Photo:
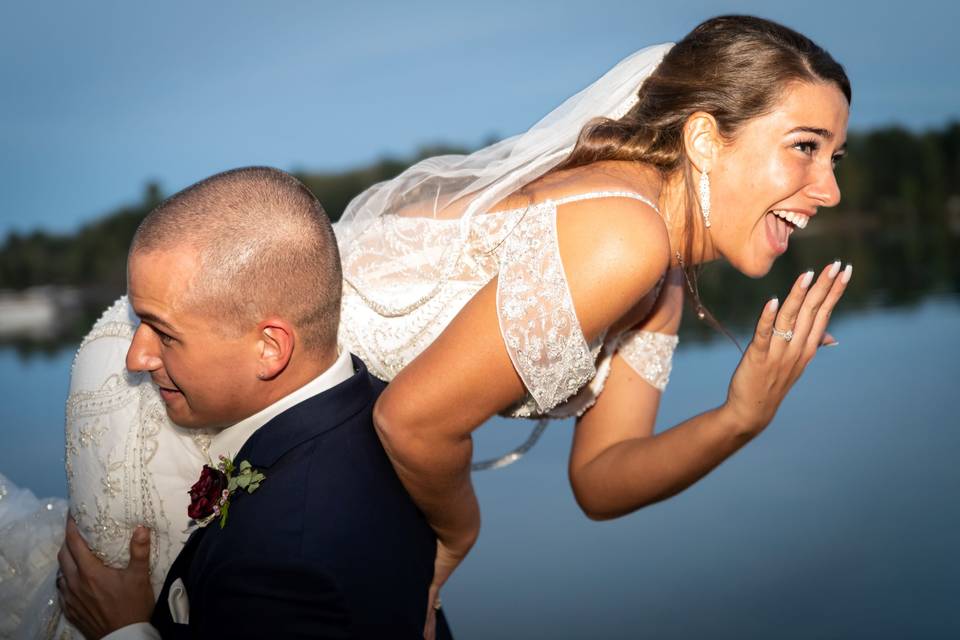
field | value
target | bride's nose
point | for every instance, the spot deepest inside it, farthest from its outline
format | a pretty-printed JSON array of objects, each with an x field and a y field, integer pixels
[
  {"x": 825, "y": 188},
  {"x": 144, "y": 351}
]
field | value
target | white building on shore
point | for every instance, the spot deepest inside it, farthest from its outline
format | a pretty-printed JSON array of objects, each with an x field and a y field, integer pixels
[{"x": 37, "y": 312}]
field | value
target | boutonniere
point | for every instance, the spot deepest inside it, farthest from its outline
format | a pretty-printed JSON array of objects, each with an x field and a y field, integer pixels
[{"x": 210, "y": 495}]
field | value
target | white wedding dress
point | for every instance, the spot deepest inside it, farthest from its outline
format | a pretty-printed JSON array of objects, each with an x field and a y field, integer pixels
[
  {"x": 126, "y": 464},
  {"x": 405, "y": 278}
]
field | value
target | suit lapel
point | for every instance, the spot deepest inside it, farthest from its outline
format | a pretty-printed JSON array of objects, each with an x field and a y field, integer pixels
[{"x": 264, "y": 449}]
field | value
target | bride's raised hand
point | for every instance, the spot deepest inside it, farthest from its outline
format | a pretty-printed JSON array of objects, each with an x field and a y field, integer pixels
[{"x": 785, "y": 341}]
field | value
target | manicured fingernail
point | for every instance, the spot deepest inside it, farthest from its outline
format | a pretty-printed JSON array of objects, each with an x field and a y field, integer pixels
[
  {"x": 807, "y": 279},
  {"x": 834, "y": 269},
  {"x": 845, "y": 278},
  {"x": 140, "y": 533},
  {"x": 831, "y": 344},
  {"x": 774, "y": 303}
]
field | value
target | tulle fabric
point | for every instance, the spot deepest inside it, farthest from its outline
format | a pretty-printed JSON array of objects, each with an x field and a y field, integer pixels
[
  {"x": 31, "y": 532},
  {"x": 460, "y": 187}
]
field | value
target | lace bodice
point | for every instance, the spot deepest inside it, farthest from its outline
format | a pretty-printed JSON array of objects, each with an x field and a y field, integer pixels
[{"x": 406, "y": 277}]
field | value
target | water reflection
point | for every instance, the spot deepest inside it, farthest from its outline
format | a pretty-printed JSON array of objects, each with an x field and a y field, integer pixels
[
  {"x": 838, "y": 521},
  {"x": 892, "y": 268}
]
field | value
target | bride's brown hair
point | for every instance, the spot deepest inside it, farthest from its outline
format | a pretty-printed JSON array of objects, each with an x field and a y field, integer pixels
[{"x": 733, "y": 67}]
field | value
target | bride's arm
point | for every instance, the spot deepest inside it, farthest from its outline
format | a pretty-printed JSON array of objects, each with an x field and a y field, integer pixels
[
  {"x": 612, "y": 255},
  {"x": 617, "y": 465}
]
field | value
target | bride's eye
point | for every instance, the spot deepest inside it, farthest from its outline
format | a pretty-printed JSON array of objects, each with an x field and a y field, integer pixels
[{"x": 808, "y": 147}]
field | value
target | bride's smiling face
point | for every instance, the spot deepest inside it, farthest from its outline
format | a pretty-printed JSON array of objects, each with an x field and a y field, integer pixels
[{"x": 776, "y": 175}]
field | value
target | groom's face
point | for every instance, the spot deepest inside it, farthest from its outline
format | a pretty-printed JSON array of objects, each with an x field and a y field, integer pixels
[{"x": 206, "y": 378}]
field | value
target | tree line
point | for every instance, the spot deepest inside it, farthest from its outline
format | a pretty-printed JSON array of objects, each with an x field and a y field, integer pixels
[{"x": 899, "y": 221}]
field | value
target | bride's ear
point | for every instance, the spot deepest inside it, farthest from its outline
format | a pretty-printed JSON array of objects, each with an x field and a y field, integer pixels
[
  {"x": 275, "y": 343},
  {"x": 702, "y": 140}
]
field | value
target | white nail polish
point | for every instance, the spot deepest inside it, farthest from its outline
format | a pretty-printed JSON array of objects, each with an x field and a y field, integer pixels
[
  {"x": 845, "y": 278},
  {"x": 807, "y": 279},
  {"x": 831, "y": 344},
  {"x": 834, "y": 269},
  {"x": 774, "y": 303}
]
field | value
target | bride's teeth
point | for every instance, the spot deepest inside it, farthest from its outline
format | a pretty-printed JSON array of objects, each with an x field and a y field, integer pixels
[{"x": 799, "y": 220}]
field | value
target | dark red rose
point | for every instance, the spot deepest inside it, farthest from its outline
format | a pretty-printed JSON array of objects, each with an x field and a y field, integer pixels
[{"x": 205, "y": 493}]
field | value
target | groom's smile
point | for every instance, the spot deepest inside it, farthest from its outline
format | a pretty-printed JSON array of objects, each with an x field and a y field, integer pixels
[
  {"x": 168, "y": 394},
  {"x": 205, "y": 375}
]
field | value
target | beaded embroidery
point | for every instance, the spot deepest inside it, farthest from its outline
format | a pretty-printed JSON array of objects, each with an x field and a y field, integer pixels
[
  {"x": 649, "y": 354},
  {"x": 403, "y": 285}
]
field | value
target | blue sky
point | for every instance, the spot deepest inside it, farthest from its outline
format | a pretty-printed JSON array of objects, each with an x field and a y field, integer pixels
[{"x": 100, "y": 97}]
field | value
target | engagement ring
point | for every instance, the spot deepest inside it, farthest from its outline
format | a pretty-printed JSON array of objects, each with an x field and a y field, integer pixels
[{"x": 786, "y": 335}]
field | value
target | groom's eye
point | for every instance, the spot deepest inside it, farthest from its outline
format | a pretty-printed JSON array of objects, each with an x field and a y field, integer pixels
[{"x": 164, "y": 338}]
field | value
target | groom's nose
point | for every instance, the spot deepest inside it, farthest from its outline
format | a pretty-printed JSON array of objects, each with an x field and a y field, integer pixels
[{"x": 144, "y": 351}]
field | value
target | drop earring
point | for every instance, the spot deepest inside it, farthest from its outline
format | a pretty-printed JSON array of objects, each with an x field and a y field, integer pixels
[{"x": 705, "y": 197}]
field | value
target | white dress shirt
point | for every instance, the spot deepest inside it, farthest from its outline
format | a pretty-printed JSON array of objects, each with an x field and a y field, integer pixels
[{"x": 228, "y": 443}]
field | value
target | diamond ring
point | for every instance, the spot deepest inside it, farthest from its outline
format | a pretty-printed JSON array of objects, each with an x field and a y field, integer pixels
[{"x": 786, "y": 335}]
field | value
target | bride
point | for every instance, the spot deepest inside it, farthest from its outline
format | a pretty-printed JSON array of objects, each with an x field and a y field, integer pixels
[{"x": 542, "y": 276}]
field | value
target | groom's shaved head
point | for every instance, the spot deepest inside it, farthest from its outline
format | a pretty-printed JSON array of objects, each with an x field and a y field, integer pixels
[{"x": 263, "y": 245}]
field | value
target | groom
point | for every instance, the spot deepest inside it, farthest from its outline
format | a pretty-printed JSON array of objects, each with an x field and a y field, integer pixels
[{"x": 236, "y": 281}]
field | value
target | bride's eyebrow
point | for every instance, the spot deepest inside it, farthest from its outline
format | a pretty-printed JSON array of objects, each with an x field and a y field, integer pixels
[{"x": 826, "y": 134}]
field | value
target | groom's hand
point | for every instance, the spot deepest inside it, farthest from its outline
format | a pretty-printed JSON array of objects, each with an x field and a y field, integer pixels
[{"x": 98, "y": 599}]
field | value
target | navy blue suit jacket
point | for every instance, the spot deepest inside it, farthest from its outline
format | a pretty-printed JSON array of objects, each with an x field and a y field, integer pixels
[{"x": 329, "y": 546}]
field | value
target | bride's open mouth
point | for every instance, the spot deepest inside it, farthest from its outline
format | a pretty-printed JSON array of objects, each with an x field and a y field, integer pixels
[{"x": 780, "y": 224}]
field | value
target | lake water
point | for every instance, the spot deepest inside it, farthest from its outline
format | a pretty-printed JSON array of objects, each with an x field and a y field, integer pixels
[{"x": 840, "y": 521}]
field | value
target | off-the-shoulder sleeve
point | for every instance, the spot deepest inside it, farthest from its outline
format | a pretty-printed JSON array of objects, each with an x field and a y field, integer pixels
[{"x": 535, "y": 308}]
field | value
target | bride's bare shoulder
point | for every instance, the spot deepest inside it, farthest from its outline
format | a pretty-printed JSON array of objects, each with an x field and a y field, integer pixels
[
  {"x": 626, "y": 227},
  {"x": 599, "y": 177},
  {"x": 613, "y": 249}
]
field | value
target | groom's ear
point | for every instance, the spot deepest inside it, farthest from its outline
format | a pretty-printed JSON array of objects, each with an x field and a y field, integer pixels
[{"x": 275, "y": 345}]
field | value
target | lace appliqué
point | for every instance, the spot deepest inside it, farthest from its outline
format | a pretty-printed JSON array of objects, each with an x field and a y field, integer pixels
[
  {"x": 537, "y": 318},
  {"x": 406, "y": 277},
  {"x": 403, "y": 283},
  {"x": 650, "y": 354}
]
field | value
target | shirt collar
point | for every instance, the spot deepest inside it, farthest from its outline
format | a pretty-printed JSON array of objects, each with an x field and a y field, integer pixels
[{"x": 228, "y": 442}]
